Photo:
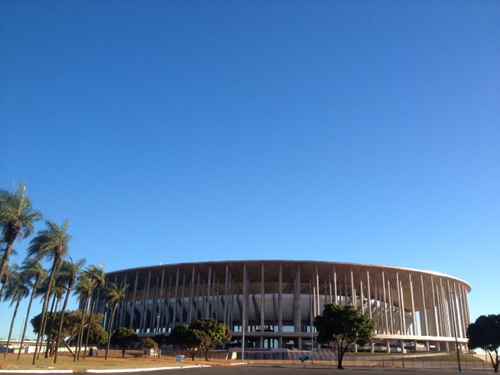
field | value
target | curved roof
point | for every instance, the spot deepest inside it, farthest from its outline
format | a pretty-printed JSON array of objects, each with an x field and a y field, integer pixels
[{"x": 344, "y": 264}]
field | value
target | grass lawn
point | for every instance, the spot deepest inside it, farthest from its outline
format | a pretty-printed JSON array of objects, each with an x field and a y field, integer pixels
[
  {"x": 448, "y": 357},
  {"x": 65, "y": 361}
]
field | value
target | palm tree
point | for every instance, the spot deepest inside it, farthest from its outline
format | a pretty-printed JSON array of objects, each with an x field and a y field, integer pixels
[
  {"x": 97, "y": 278},
  {"x": 17, "y": 290},
  {"x": 84, "y": 289},
  {"x": 53, "y": 244},
  {"x": 69, "y": 272},
  {"x": 57, "y": 293},
  {"x": 16, "y": 221},
  {"x": 34, "y": 274},
  {"x": 114, "y": 296}
]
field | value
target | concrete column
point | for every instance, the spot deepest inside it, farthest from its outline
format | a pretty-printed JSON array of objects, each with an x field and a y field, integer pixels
[
  {"x": 445, "y": 309},
  {"x": 318, "y": 308},
  {"x": 403, "y": 307},
  {"x": 460, "y": 311},
  {"x": 262, "y": 298},
  {"x": 213, "y": 296},
  {"x": 166, "y": 303},
  {"x": 123, "y": 306},
  {"x": 330, "y": 289},
  {"x": 369, "y": 294},
  {"x": 245, "y": 300},
  {"x": 191, "y": 295},
  {"x": 361, "y": 296},
  {"x": 400, "y": 306},
  {"x": 182, "y": 299},
  {"x": 353, "y": 291},
  {"x": 335, "y": 286},
  {"x": 424, "y": 307},
  {"x": 385, "y": 304},
  {"x": 154, "y": 305},
  {"x": 159, "y": 300},
  {"x": 280, "y": 299},
  {"x": 442, "y": 309},
  {"x": 435, "y": 309},
  {"x": 207, "y": 303},
  {"x": 134, "y": 301},
  {"x": 314, "y": 312},
  {"x": 462, "y": 308},
  {"x": 453, "y": 312},
  {"x": 466, "y": 306},
  {"x": 230, "y": 305},
  {"x": 456, "y": 308},
  {"x": 145, "y": 297},
  {"x": 412, "y": 298},
  {"x": 176, "y": 291},
  {"x": 388, "y": 346},
  {"x": 390, "y": 307},
  {"x": 311, "y": 315},
  {"x": 226, "y": 289},
  {"x": 297, "y": 305}
]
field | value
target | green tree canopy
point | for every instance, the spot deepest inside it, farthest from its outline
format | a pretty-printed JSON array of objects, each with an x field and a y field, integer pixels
[
  {"x": 16, "y": 221},
  {"x": 124, "y": 338},
  {"x": 70, "y": 328},
  {"x": 343, "y": 326},
  {"x": 210, "y": 334},
  {"x": 183, "y": 338},
  {"x": 484, "y": 333}
]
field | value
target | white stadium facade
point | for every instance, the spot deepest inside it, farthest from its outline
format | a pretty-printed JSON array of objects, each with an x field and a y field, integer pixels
[{"x": 275, "y": 301}]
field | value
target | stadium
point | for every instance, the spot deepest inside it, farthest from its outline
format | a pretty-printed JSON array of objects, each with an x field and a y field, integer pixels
[{"x": 274, "y": 302}]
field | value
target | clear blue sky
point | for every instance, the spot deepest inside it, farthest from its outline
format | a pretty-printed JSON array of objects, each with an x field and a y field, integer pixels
[{"x": 175, "y": 131}]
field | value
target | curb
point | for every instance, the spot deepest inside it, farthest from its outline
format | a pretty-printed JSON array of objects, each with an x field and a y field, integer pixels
[
  {"x": 36, "y": 371},
  {"x": 104, "y": 371},
  {"x": 143, "y": 369}
]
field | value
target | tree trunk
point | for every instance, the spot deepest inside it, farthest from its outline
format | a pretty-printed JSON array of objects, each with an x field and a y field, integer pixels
[
  {"x": 92, "y": 307},
  {"x": 45, "y": 306},
  {"x": 110, "y": 331},
  {"x": 5, "y": 258},
  {"x": 11, "y": 326},
  {"x": 340, "y": 357},
  {"x": 82, "y": 328},
  {"x": 61, "y": 321},
  {"x": 33, "y": 290},
  {"x": 495, "y": 367},
  {"x": 53, "y": 309}
]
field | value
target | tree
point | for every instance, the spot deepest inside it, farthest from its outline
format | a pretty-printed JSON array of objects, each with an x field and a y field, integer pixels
[
  {"x": 114, "y": 296},
  {"x": 17, "y": 290},
  {"x": 484, "y": 333},
  {"x": 95, "y": 281},
  {"x": 16, "y": 221},
  {"x": 71, "y": 327},
  {"x": 53, "y": 244},
  {"x": 34, "y": 274},
  {"x": 149, "y": 343},
  {"x": 184, "y": 338},
  {"x": 124, "y": 338},
  {"x": 210, "y": 334},
  {"x": 68, "y": 274},
  {"x": 343, "y": 326}
]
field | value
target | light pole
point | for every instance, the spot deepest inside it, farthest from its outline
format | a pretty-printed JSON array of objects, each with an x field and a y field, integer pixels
[{"x": 243, "y": 341}]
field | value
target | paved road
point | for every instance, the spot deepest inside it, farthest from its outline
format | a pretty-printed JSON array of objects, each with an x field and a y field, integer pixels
[{"x": 308, "y": 370}]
